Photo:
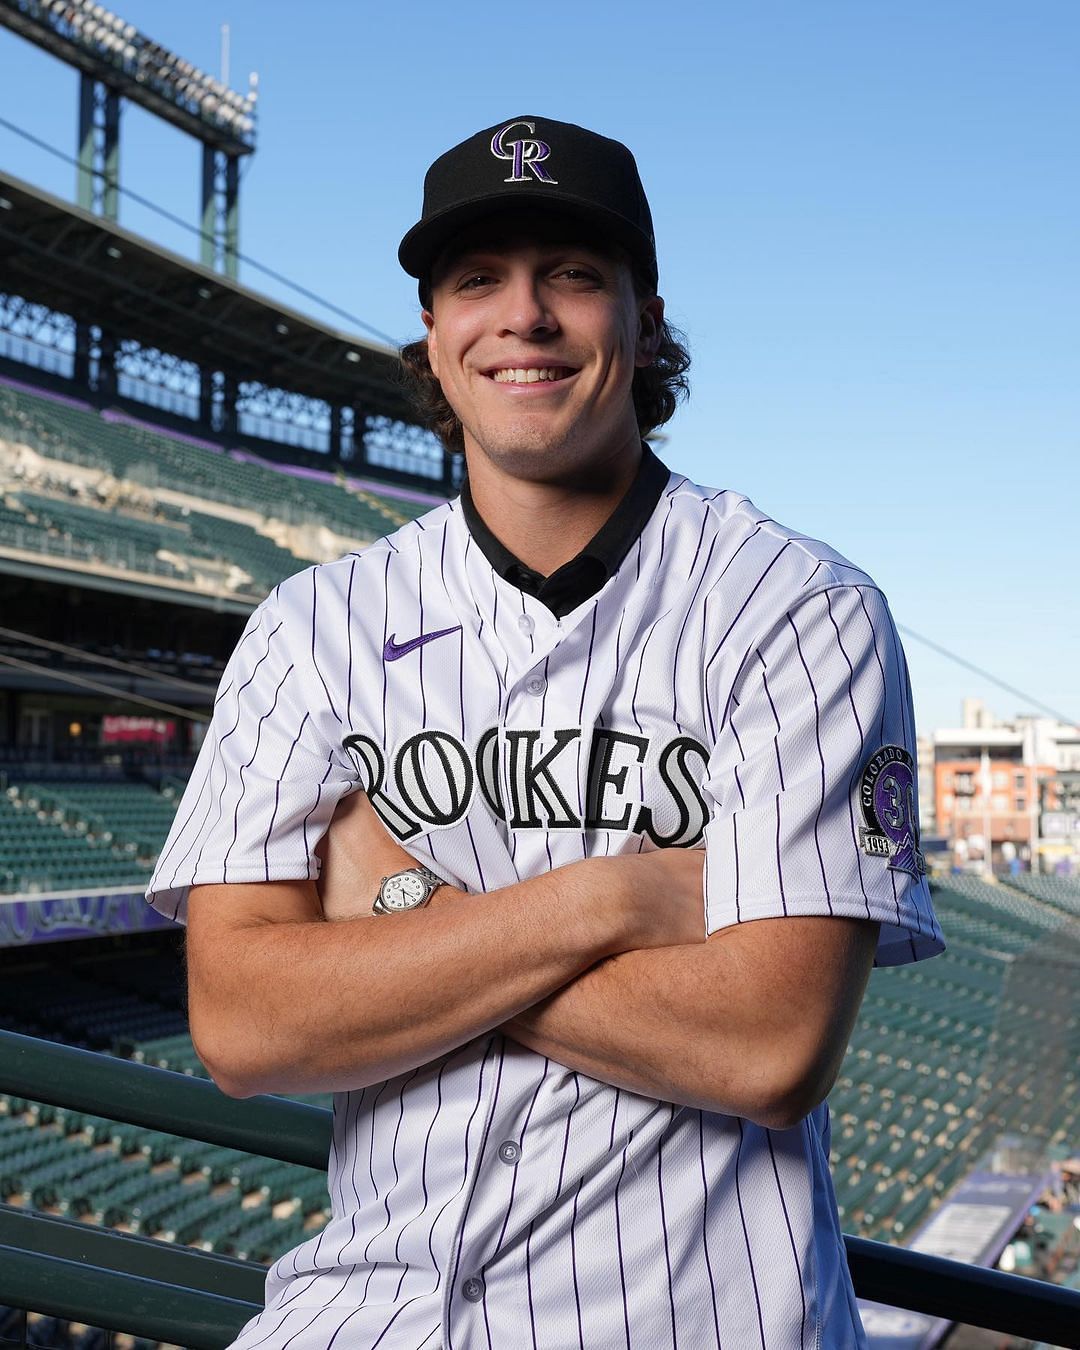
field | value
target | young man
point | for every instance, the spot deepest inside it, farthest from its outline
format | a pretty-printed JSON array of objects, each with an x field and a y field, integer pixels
[{"x": 624, "y": 773}]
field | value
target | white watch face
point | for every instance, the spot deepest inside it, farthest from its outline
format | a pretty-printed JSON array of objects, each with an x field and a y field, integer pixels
[{"x": 404, "y": 891}]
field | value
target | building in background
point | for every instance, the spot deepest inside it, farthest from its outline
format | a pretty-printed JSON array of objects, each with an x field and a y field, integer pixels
[
  {"x": 1007, "y": 793},
  {"x": 924, "y": 748}
]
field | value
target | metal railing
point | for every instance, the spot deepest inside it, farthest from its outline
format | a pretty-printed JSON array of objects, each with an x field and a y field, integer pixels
[{"x": 200, "y": 1300}]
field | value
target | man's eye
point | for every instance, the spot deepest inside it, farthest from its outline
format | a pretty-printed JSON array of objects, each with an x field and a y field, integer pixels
[
  {"x": 474, "y": 281},
  {"x": 580, "y": 275}
]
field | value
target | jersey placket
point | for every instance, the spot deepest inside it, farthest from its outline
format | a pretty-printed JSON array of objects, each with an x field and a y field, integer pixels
[
  {"x": 515, "y": 1174},
  {"x": 539, "y": 719}
]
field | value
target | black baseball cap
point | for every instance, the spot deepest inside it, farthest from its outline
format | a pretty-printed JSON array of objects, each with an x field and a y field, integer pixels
[{"x": 543, "y": 166}]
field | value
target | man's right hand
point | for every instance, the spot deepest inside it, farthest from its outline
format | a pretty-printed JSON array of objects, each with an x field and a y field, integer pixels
[
  {"x": 357, "y": 851},
  {"x": 662, "y": 894}
]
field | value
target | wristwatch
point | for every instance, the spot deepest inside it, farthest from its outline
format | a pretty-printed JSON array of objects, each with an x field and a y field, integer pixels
[{"x": 411, "y": 889}]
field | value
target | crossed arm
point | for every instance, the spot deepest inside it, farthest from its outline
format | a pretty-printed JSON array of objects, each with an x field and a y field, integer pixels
[
  {"x": 753, "y": 1022},
  {"x": 293, "y": 990}
]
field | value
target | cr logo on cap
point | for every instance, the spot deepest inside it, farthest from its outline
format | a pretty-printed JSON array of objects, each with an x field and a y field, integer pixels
[{"x": 526, "y": 153}]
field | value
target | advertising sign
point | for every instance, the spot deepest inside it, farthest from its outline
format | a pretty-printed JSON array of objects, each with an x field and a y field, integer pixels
[
  {"x": 58, "y": 918},
  {"x": 973, "y": 1226}
]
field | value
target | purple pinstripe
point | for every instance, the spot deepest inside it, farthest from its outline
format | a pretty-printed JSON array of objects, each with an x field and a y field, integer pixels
[
  {"x": 664, "y": 1229},
  {"x": 461, "y": 1229},
  {"x": 746, "y": 1235},
  {"x": 314, "y": 662},
  {"x": 619, "y": 1243},
  {"x": 705, "y": 1227},
  {"x": 821, "y": 758},
  {"x": 791, "y": 1239},
  {"x": 573, "y": 1264},
  {"x": 855, "y": 766},
  {"x": 247, "y": 765}
]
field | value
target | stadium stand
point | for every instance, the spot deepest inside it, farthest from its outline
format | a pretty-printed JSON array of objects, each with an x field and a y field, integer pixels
[
  {"x": 63, "y": 835},
  {"x": 82, "y": 1166},
  {"x": 1061, "y": 893},
  {"x": 61, "y": 431},
  {"x": 946, "y": 1057}
]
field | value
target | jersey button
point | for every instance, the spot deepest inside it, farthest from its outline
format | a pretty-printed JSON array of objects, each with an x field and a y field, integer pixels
[
  {"x": 536, "y": 686},
  {"x": 509, "y": 1152},
  {"x": 526, "y": 624},
  {"x": 473, "y": 1290}
]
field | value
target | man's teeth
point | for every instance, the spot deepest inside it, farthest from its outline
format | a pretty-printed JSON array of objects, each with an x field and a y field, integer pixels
[{"x": 530, "y": 376}]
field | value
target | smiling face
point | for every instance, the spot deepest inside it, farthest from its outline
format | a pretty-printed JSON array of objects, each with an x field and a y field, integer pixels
[{"x": 534, "y": 336}]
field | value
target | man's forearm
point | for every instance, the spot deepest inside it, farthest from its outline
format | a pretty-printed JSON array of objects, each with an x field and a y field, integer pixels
[
  {"x": 282, "y": 1001},
  {"x": 631, "y": 1021},
  {"x": 753, "y": 1022}
]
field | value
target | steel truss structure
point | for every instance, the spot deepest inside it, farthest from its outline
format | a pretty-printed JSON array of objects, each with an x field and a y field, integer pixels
[{"x": 121, "y": 321}]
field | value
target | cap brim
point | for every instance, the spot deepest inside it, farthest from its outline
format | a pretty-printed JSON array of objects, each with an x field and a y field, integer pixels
[{"x": 420, "y": 248}]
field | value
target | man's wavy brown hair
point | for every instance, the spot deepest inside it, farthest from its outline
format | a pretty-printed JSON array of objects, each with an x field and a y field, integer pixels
[{"x": 656, "y": 389}]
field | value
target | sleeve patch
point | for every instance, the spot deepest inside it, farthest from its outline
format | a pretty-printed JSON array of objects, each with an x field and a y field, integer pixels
[{"x": 887, "y": 800}]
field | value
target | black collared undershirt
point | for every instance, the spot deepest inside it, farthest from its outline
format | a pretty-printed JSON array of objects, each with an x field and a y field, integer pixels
[{"x": 575, "y": 581}]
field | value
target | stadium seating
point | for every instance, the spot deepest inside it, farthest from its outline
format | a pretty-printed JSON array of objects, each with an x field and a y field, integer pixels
[
  {"x": 77, "y": 835},
  {"x": 39, "y": 853},
  {"x": 84, "y": 1166},
  {"x": 1062, "y": 893},
  {"x": 64, "y": 431},
  {"x": 950, "y": 1054},
  {"x": 127, "y": 814}
]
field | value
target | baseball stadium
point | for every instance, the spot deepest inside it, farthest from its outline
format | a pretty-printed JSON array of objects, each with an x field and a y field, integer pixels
[{"x": 174, "y": 444}]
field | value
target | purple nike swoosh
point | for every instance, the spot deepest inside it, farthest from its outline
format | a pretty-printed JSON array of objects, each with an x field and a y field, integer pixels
[{"x": 394, "y": 651}]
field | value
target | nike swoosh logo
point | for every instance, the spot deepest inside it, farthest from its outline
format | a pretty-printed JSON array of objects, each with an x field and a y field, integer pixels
[{"x": 394, "y": 651}]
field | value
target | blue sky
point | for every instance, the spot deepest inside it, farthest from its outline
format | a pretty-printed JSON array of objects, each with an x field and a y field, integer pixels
[{"x": 866, "y": 215}]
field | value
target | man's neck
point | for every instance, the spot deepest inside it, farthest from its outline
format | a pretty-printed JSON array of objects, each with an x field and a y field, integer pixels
[{"x": 546, "y": 524}]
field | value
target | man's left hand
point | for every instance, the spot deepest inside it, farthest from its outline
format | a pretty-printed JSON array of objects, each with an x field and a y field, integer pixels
[{"x": 357, "y": 851}]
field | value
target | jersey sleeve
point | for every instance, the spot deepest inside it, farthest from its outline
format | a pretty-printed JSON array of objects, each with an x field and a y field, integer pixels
[
  {"x": 267, "y": 778},
  {"x": 813, "y": 781}
]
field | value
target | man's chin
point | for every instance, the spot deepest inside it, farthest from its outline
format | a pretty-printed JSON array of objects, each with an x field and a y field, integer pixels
[{"x": 536, "y": 454}]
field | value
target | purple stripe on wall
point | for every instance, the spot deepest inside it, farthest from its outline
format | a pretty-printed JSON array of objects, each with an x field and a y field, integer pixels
[{"x": 65, "y": 400}]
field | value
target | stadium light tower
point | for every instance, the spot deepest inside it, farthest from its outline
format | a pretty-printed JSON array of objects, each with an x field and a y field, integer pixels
[{"x": 116, "y": 61}]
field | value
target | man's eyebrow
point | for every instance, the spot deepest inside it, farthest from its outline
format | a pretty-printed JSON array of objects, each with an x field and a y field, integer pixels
[{"x": 472, "y": 255}]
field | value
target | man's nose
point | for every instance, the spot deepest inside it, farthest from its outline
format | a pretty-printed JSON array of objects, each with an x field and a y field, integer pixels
[{"x": 525, "y": 311}]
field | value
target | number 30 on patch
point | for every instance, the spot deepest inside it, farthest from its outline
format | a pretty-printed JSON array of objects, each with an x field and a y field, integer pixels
[{"x": 887, "y": 799}]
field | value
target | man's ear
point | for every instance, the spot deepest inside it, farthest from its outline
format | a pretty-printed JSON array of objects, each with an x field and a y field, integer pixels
[
  {"x": 650, "y": 322},
  {"x": 432, "y": 341}
]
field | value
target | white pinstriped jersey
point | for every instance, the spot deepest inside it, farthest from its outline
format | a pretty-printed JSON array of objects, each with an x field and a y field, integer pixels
[{"x": 732, "y": 683}]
